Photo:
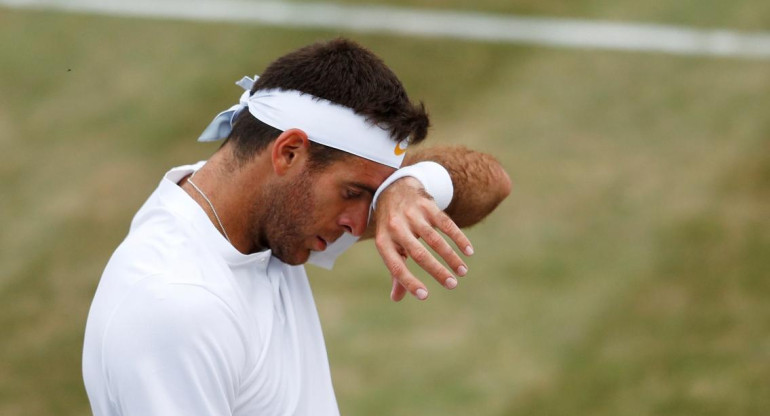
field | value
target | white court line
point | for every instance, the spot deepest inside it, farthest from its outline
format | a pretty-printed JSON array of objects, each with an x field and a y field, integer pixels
[{"x": 458, "y": 25}]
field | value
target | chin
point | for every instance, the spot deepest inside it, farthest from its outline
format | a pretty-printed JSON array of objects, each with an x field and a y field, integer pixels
[{"x": 294, "y": 260}]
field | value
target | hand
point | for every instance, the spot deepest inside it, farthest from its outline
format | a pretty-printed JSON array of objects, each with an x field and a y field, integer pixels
[{"x": 404, "y": 214}]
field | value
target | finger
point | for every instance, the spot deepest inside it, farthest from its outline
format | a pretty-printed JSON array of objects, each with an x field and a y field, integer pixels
[
  {"x": 442, "y": 221},
  {"x": 397, "y": 267},
  {"x": 398, "y": 291},
  {"x": 425, "y": 259},
  {"x": 443, "y": 249}
]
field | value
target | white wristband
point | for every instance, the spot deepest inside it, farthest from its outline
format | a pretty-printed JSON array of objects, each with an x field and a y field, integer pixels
[{"x": 434, "y": 178}]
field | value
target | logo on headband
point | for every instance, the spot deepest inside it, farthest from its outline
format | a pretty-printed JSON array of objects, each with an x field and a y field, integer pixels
[{"x": 401, "y": 147}]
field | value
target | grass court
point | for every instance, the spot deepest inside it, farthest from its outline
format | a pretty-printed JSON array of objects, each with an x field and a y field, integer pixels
[{"x": 627, "y": 274}]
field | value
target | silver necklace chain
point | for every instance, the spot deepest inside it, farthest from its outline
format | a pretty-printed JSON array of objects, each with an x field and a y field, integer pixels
[{"x": 189, "y": 180}]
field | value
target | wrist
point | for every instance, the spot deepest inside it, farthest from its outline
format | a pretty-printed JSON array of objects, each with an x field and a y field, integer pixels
[{"x": 433, "y": 177}]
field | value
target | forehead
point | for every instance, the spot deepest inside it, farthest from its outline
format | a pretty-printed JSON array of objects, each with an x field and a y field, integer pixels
[{"x": 358, "y": 169}]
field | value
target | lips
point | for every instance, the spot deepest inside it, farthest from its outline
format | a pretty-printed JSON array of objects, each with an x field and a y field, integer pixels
[{"x": 320, "y": 244}]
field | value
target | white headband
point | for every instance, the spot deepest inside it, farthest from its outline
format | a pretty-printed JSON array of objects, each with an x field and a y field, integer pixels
[{"x": 323, "y": 121}]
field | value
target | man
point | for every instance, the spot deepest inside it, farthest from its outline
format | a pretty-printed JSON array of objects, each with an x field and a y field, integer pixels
[{"x": 205, "y": 308}]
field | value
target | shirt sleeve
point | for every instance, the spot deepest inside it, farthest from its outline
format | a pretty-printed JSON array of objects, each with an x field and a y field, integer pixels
[{"x": 173, "y": 349}]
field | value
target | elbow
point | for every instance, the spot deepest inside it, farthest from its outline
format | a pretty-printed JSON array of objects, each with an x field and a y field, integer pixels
[
  {"x": 474, "y": 203},
  {"x": 499, "y": 189},
  {"x": 499, "y": 185},
  {"x": 505, "y": 185}
]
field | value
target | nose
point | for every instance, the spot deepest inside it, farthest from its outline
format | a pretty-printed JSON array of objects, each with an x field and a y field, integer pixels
[{"x": 354, "y": 220}]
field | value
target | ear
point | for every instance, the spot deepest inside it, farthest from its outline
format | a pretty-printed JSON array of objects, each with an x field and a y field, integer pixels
[{"x": 289, "y": 150}]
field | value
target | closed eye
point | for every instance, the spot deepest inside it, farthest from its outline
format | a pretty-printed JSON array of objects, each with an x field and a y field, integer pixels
[
  {"x": 357, "y": 190},
  {"x": 352, "y": 194}
]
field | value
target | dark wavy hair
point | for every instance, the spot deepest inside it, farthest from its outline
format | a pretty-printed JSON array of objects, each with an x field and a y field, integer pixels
[{"x": 342, "y": 72}]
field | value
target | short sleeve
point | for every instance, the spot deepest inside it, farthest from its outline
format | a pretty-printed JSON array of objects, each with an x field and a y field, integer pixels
[{"x": 173, "y": 349}]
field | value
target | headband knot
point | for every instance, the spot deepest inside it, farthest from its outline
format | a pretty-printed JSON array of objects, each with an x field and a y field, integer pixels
[{"x": 222, "y": 124}]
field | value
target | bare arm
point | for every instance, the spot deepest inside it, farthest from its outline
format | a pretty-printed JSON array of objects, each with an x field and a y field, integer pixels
[
  {"x": 480, "y": 183},
  {"x": 405, "y": 213}
]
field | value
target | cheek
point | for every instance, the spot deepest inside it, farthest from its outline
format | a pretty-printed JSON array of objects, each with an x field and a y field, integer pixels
[
  {"x": 326, "y": 204},
  {"x": 317, "y": 211}
]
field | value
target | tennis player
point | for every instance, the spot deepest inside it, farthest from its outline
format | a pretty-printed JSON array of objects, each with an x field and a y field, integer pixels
[{"x": 205, "y": 307}]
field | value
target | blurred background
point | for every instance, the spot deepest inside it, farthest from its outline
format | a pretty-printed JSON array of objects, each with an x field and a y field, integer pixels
[{"x": 627, "y": 274}]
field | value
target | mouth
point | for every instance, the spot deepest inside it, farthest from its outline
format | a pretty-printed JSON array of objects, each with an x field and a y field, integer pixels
[{"x": 321, "y": 244}]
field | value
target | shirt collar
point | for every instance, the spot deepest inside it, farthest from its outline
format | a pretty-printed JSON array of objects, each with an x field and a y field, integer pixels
[{"x": 176, "y": 199}]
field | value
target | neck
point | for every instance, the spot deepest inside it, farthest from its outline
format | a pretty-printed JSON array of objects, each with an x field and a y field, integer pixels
[{"x": 233, "y": 191}]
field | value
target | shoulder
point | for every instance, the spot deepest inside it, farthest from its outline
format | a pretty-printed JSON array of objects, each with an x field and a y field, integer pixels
[
  {"x": 160, "y": 315},
  {"x": 173, "y": 346},
  {"x": 171, "y": 331},
  {"x": 169, "y": 249}
]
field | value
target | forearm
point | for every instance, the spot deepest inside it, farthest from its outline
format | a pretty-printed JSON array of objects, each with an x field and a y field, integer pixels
[{"x": 480, "y": 182}]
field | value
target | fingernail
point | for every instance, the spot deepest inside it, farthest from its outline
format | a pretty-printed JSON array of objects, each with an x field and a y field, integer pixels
[
  {"x": 421, "y": 294},
  {"x": 468, "y": 251},
  {"x": 450, "y": 283},
  {"x": 462, "y": 270}
]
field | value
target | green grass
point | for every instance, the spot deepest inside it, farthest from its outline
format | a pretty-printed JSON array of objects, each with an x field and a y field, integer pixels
[{"x": 626, "y": 275}]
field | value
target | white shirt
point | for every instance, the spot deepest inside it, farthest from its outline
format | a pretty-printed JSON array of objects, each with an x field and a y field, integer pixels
[{"x": 184, "y": 324}]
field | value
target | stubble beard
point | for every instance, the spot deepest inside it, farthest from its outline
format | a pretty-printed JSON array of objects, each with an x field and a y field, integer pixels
[{"x": 288, "y": 217}]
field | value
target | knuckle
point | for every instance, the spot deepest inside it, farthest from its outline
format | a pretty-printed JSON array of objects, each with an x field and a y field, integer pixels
[
  {"x": 444, "y": 221},
  {"x": 454, "y": 262},
  {"x": 433, "y": 239},
  {"x": 407, "y": 281},
  {"x": 392, "y": 223},
  {"x": 381, "y": 242},
  {"x": 396, "y": 269},
  {"x": 448, "y": 254},
  {"x": 413, "y": 215},
  {"x": 411, "y": 284},
  {"x": 439, "y": 273},
  {"x": 428, "y": 204},
  {"x": 421, "y": 255}
]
